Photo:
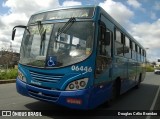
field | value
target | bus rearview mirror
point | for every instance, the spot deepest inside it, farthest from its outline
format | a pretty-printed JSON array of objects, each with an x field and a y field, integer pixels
[
  {"x": 13, "y": 33},
  {"x": 19, "y": 26}
]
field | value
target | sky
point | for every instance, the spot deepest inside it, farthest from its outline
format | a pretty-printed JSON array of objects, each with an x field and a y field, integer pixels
[{"x": 141, "y": 18}]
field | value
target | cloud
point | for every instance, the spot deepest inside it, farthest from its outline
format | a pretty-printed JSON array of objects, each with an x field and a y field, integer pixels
[
  {"x": 118, "y": 11},
  {"x": 157, "y": 5},
  {"x": 148, "y": 35},
  {"x": 14, "y": 19},
  {"x": 1, "y": 23},
  {"x": 30, "y": 6},
  {"x": 71, "y": 3},
  {"x": 153, "y": 15},
  {"x": 134, "y": 3},
  {"x": 18, "y": 14},
  {"x": 153, "y": 55}
]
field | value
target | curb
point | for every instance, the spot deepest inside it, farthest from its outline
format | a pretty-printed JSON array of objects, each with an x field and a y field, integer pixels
[{"x": 7, "y": 81}]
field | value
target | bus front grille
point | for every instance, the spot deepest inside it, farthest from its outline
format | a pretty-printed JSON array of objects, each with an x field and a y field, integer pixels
[{"x": 46, "y": 77}]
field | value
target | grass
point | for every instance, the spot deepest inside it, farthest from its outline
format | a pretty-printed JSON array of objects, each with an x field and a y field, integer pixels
[
  {"x": 149, "y": 68},
  {"x": 8, "y": 74}
]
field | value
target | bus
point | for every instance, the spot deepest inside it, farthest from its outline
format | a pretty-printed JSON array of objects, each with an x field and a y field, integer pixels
[{"x": 78, "y": 57}]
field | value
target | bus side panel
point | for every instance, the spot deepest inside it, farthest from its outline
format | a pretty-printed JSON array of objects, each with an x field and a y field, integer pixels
[
  {"x": 117, "y": 68},
  {"x": 100, "y": 94},
  {"x": 143, "y": 70},
  {"x": 119, "y": 71},
  {"x": 126, "y": 82},
  {"x": 132, "y": 70}
]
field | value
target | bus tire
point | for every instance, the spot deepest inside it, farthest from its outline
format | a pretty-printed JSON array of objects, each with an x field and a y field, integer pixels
[
  {"x": 139, "y": 81},
  {"x": 116, "y": 89}
]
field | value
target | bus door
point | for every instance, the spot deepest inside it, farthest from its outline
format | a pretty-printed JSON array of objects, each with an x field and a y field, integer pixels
[
  {"x": 103, "y": 66},
  {"x": 103, "y": 59}
]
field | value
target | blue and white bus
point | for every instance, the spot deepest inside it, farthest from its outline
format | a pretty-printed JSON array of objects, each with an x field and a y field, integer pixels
[{"x": 78, "y": 57}]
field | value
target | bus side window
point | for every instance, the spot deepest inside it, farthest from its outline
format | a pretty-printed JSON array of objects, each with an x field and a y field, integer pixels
[
  {"x": 127, "y": 48},
  {"x": 133, "y": 51},
  {"x": 131, "y": 46},
  {"x": 102, "y": 42},
  {"x": 119, "y": 44},
  {"x": 136, "y": 49}
]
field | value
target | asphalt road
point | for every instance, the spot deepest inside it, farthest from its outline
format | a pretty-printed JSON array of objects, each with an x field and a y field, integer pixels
[{"x": 144, "y": 98}]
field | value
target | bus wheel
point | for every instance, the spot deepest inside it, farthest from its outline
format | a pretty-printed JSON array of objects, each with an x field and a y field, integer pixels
[
  {"x": 116, "y": 89},
  {"x": 139, "y": 81}
]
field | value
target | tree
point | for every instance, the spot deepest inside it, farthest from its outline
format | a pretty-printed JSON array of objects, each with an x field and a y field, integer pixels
[{"x": 154, "y": 63}]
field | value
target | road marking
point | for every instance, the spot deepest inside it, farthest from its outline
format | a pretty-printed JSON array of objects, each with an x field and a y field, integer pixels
[{"x": 154, "y": 102}]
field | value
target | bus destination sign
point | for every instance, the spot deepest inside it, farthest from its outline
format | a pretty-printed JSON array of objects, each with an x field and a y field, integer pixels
[{"x": 63, "y": 14}]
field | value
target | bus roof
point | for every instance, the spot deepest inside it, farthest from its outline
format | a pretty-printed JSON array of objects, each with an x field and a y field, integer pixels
[{"x": 66, "y": 7}]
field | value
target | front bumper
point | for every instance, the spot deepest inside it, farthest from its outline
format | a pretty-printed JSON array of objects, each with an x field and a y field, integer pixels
[{"x": 73, "y": 99}]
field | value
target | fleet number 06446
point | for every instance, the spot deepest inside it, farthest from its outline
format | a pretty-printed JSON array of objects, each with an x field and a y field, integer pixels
[{"x": 81, "y": 68}]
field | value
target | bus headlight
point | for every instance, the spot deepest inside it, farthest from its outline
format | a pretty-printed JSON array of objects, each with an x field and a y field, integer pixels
[
  {"x": 21, "y": 76},
  {"x": 78, "y": 84}
]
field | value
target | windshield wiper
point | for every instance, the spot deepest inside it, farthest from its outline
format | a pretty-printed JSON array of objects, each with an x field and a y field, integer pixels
[
  {"x": 42, "y": 33},
  {"x": 66, "y": 26}
]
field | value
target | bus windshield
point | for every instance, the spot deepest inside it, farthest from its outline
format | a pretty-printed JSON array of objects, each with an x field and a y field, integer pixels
[{"x": 44, "y": 46}]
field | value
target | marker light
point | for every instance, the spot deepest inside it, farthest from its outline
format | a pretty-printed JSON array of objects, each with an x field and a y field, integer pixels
[
  {"x": 78, "y": 84},
  {"x": 74, "y": 101}
]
